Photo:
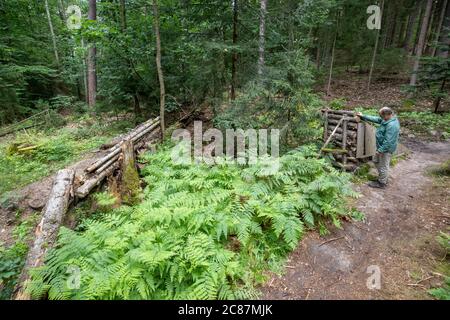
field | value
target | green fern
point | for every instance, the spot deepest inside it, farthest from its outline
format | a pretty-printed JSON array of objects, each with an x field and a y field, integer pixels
[{"x": 200, "y": 232}]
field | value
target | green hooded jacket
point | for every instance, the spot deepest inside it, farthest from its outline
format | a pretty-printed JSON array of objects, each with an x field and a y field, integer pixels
[{"x": 387, "y": 133}]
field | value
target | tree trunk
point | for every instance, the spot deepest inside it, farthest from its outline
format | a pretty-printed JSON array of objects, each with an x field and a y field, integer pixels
[
  {"x": 439, "y": 27},
  {"x": 62, "y": 12},
  {"x": 332, "y": 56},
  {"x": 52, "y": 33},
  {"x": 123, "y": 15},
  {"x": 437, "y": 102},
  {"x": 262, "y": 37},
  {"x": 162, "y": 90},
  {"x": 47, "y": 230},
  {"x": 410, "y": 29},
  {"x": 393, "y": 27},
  {"x": 444, "y": 38},
  {"x": 92, "y": 73},
  {"x": 429, "y": 34},
  {"x": 421, "y": 43},
  {"x": 85, "y": 75},
  {"x": 137, "y": 105},
  {"x": 375, "y": 49},
  {"x": 235, "y": 55}
]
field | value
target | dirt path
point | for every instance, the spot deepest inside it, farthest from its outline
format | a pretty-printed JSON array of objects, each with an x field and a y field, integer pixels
[{"x": 398, "y": 236}]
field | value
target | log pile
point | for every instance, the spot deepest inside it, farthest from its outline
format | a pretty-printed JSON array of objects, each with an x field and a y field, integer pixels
[
  {"x": 107, "y": 164},
  {"x": 343, "y": 131}
]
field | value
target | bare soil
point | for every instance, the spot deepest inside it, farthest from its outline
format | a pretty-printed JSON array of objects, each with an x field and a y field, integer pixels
[{"x": 398, "y": 235}]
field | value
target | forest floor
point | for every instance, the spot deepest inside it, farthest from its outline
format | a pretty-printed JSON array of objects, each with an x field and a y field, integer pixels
[{"x": 397, "y": 235}]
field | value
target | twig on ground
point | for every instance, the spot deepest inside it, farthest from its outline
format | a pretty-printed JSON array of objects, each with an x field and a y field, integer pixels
[{"x": 331, "y": 240}]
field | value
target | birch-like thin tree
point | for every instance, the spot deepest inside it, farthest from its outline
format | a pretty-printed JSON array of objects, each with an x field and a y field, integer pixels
[
  {"x": 262, "y": 37},
  {"x": 92, "y": 52},
  {"x": 375, "y": 49},
  {"x": 52, "y": 32},
  {"x": 330, "y": 75},
  {"x": 162, "y": 89},
  {"x": 235, "y": 54}
]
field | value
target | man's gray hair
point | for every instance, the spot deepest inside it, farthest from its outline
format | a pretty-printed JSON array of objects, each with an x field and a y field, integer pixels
[{"x": 386, "y": 111}]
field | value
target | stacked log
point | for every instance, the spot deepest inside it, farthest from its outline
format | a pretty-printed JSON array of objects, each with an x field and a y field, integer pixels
[
  {"x": 109, "y": 163},
  {"x": 341, "y": 130}
]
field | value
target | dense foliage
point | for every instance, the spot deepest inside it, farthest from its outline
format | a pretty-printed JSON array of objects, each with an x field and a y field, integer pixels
[{"x": 200, "y": 232}]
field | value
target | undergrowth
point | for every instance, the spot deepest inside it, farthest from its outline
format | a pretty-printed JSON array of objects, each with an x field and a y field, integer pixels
[
  {"x": 200, "y": 232},
  {"x": 34, "y": 154},
  {"x": 12, "y": 257},
  {"x": 443, "y": 293}
]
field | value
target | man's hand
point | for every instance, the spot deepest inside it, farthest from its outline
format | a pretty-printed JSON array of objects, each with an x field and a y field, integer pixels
[{"x": 358, "y": 116}]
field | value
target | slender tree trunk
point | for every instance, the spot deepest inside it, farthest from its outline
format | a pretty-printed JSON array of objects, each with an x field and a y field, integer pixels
[
  {"x": 393, "y": 27},
  {"x": 410, "y": 29},
  {"x": 429, "y": 33},
  {"x": 437, "y": 102},
  {"x": 92, "y": 72},
  {"x": 162, "y": 90},
  {"x": 401, "y": 34},
  {"x": 52, "y": 33},
  {"x": 235, "y": 55},
  {"x": 421, "y": 43},
  {"x": 386, "y": 25},
  {"x": 332, "y": 56},
  {"x": 419, "y": 25},
  {"x": 375, "y": 49},
  {"x": 444, "y": 38},
  {"x": 62, "y": 12},
  {"x": 439, "y": 27},
  {"x": 123, "y": 15},
  {"x": 262, "y": 37}
]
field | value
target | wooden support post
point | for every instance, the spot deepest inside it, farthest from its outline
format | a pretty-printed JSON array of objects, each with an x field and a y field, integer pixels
[
  {"x": 325, "y": 131},
  {"x": 47, "y": 230},
  {"x": 344, "y": 138},
  {"x": 130, "y": 185}
]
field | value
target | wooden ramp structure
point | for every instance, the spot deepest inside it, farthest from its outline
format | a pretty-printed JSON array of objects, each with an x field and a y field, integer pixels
[{"x": 352, "y": 142}]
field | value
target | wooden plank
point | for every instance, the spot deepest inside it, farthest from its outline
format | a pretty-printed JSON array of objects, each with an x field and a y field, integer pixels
[{"x": 370, "y": 146}]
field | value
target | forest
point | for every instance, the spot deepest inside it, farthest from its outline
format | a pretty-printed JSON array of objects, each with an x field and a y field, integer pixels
[{"x": 96, "y": 94}]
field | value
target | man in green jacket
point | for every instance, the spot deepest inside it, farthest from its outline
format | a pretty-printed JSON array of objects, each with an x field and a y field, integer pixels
[{"x": 386, "y": 140}]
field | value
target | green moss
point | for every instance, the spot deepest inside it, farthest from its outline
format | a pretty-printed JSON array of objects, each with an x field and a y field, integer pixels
[{"x": 131, "y": 185}]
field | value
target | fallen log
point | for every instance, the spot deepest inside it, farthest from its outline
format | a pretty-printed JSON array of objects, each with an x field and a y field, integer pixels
[
  {"x": 48, "y": 228},
  {"x": 114, "y": 151},
  {"x": 107, "y": 170},
  {"x": 91, "y": 183}
]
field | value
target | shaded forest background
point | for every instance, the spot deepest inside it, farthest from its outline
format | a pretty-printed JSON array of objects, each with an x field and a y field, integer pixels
[{"x": 256, "y": 59}]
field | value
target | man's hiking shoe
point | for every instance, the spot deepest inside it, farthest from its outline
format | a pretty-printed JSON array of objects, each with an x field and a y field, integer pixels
[{"x": 377, "y": 184}]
